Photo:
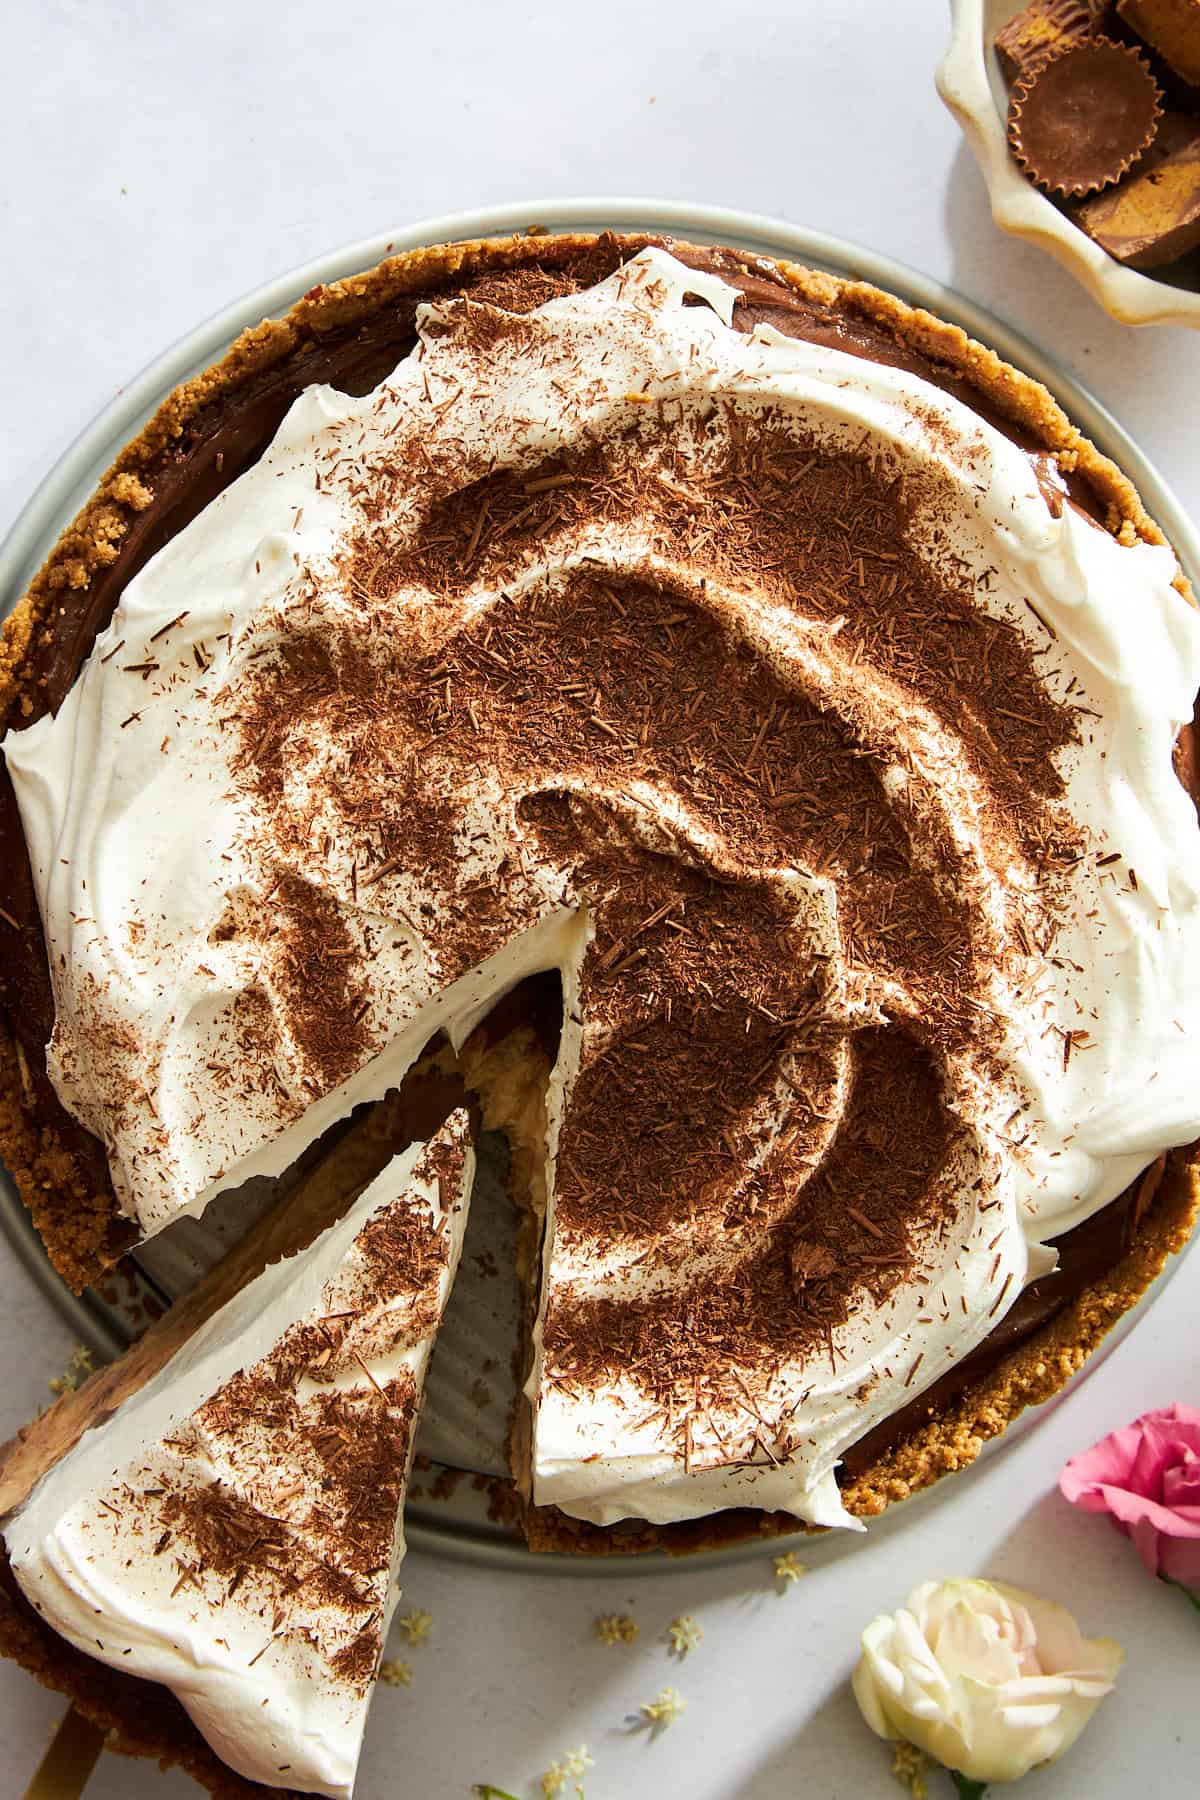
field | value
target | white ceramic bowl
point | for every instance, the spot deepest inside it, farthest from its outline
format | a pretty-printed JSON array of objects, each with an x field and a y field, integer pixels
[{"x": 970, "y": 82}]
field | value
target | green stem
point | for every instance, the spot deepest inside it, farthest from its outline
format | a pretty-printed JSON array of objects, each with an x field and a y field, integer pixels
[
  {"x": 483, "y": 1790},
  {"x": 1194, "y": 1598},
  {"x": 970, "y": 1790}
]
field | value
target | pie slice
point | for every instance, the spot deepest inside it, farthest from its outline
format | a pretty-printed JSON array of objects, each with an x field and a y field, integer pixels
[{"x": 220, "y": 1512}]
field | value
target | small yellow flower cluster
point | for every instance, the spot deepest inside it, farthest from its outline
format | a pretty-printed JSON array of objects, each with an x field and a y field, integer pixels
[
  {"x": 79, "y": 1366},
  {"x": 616, "y": 1628},
  {"x": 415, "y": 1627},
  {"x": 683, "y": 1634},
  {"x": 559, "y": 1775},
  {"x": 395, "y": 1673},
  {"x": 908, "y": 1768},
  {"x": 788, "y": 1570},
  {"x": 665, "y": 1710}
]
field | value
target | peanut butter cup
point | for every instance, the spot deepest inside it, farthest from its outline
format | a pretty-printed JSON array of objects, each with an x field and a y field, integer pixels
[
  {"x": 1152, "y": 217},
  {"x": 1038, "y": 31},
  {"x": 1172, "y": 27},
  {"x": 1080, "y": 118}
]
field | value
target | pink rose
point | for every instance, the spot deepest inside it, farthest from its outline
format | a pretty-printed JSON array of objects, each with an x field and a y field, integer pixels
[{"x": 1147, "y": 1479}]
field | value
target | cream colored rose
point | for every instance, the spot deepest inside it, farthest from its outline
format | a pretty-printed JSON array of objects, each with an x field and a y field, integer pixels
[{"x": 984, "y": 1678}]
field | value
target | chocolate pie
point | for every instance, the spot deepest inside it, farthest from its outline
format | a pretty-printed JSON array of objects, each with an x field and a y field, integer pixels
[{"x": 717, "y": 721}]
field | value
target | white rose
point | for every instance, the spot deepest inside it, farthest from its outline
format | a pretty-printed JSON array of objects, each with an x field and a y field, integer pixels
[{"x": 984, "y": 1678}]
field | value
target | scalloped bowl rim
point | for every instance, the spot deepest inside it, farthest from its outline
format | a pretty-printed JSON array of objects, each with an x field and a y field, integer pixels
[{"x": 1019, "y": 208}]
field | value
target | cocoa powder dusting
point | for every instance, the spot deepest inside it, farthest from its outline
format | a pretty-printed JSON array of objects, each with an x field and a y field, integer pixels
[
  {"x": 296, "y": 1532},
  {"x": 698, "y": 742},
  {"x": 723, "y": 1097},
  {"x": 814, "y": 1246}
]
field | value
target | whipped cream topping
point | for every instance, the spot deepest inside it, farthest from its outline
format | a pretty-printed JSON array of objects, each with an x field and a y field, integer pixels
[
  {"x": 234, "y": 1531},
  {"x": 276, "y": 849}
]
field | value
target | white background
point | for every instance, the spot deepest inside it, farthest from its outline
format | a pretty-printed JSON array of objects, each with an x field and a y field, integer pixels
[{"x": 157, "y": 160}]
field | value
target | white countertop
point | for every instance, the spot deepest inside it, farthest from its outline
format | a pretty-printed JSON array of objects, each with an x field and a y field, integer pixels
[{"x": 162, "y": 159}]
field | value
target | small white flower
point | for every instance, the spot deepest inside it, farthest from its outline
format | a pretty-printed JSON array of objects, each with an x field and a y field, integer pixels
[
  {"x": 788, "y": 1570},
  {"x": 415, "y": 1627},
  {"x": 572, "y": 1768},
  {"x": 683, "y": 1634},
  {"x": 986, "y": 1679},
  {"x": 664, "y": 1711}
]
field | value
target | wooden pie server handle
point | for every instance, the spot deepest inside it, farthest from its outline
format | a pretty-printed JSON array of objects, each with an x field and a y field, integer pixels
[{"x": 74, "y": 1749}]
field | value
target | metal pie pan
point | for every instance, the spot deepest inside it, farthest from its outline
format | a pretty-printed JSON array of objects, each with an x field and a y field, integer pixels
[{"x": 456, "y": 1524}]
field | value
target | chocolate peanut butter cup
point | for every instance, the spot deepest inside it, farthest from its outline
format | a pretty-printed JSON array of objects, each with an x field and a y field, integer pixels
[
  {"x": 1172, "y": 27},
  {"x": 1152, "y": 217},
  {"x": 1081, "y": 118},
  {"x": 1041, "y": 30}
]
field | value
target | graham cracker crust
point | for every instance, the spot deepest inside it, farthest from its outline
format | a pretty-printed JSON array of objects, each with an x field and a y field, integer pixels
[
  {"x": 139, "y": 1718},
  {"x": 953, "y": 1438}
]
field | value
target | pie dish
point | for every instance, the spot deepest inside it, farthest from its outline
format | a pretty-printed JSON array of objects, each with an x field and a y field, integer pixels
[{"x": 609, "y": 905}]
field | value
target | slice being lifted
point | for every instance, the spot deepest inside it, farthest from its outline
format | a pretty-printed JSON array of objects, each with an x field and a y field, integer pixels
[{"x": 233, "y": 1529}]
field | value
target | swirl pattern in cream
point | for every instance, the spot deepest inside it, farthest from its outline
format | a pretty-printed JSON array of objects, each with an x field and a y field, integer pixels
[{"x": 762, "y": 691}]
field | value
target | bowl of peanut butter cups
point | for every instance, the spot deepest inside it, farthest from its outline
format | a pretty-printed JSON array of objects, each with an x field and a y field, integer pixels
[{"x": 1084, "y": 117}]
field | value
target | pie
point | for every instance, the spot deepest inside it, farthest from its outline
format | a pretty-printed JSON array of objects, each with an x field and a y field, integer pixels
[{"x": 719, "y": 721}]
